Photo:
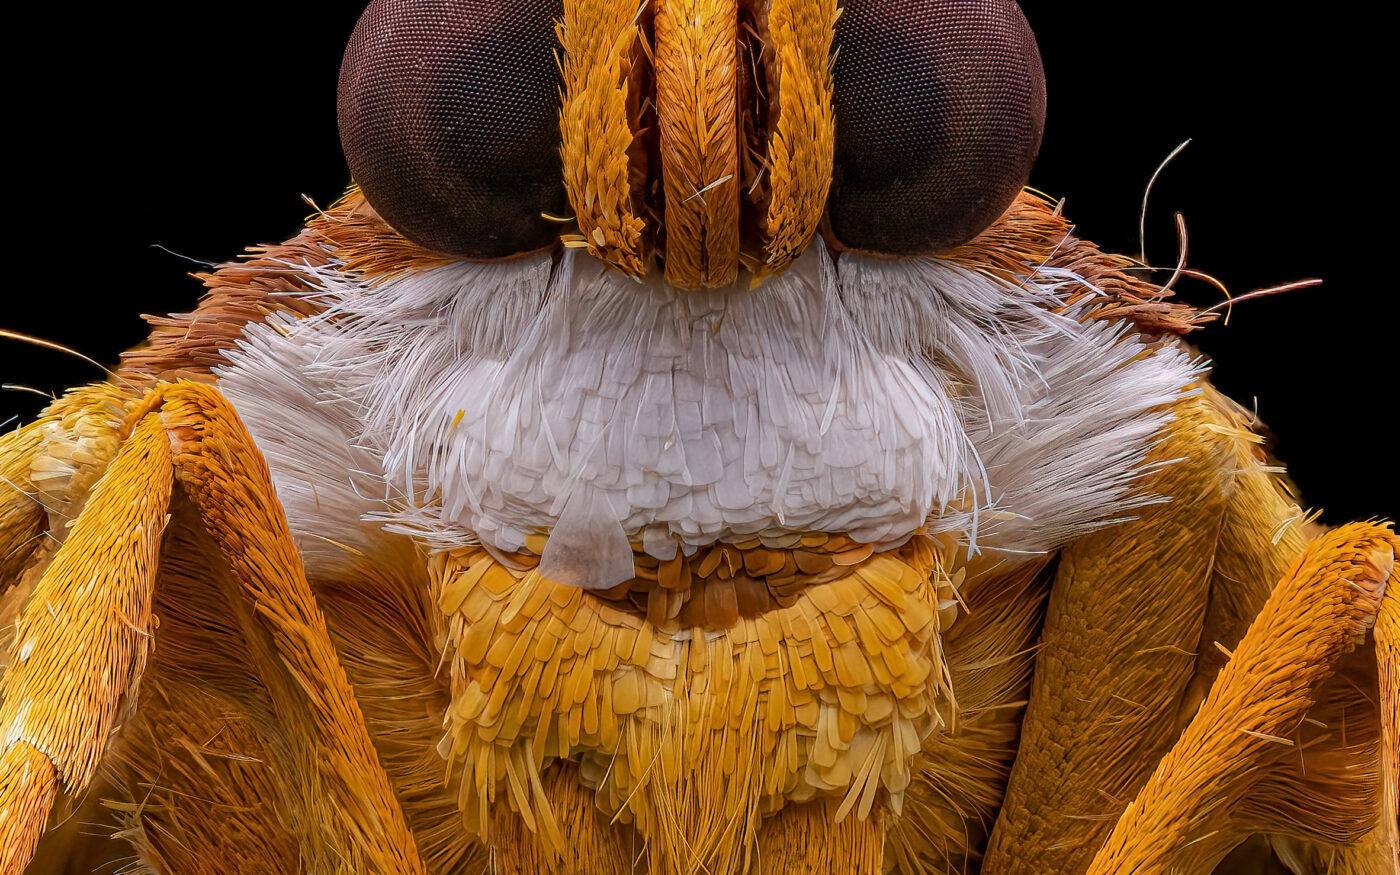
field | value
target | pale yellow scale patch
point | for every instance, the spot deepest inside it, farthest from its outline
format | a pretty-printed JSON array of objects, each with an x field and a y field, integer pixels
[{"x": 829, "y": 696}]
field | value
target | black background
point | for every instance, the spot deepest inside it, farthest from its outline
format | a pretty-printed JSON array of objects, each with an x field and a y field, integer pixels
[{"x": 197, "y": 127}]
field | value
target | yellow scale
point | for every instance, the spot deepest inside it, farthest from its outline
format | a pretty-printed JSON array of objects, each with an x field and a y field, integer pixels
[{"x": 829, "y": 690}]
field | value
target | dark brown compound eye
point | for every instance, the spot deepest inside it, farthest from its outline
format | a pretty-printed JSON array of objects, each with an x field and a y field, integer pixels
[
  {"x": 449, "y": 118},
  {"x": 940, "y": 105}
]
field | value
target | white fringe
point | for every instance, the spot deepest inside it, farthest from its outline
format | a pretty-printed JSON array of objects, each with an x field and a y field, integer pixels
[{"x": 870, "y": 398}]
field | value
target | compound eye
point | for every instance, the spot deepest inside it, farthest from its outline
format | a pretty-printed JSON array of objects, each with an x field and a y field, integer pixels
[
  {"x": 939, "y": 105},
  {"x": 449, "y": 118}
]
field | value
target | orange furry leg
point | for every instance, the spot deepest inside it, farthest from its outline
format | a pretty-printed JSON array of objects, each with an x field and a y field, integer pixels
[
  {"x": 1117, "y": 651},
  {"x": 351, "y": 812},
  {"x": 1316, "y": 807},
  {"x": 1263, "y": 531},
  {"x": 809, "y": 838},
  {"x": 1180, "y": 821},
  {"x": 590, "y": 845},
  {"x": 81, "y": 643},
  {"x": 28, "y": 787}
]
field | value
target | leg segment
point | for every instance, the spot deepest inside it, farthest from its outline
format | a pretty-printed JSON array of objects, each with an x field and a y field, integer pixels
[
  {"x": 28, "y": 787},
  {"x": 1117, "y": 651},
  {"x": 1263, "y": 532},
  {"x": 1181, "y": 820},
  {"x": 352, "y": 814},
  {"x": 84, "y": 636},
  {"x": 82, "y": 641}
]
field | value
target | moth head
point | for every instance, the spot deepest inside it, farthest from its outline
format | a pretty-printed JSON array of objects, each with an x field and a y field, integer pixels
[{"x": 700, "y": 138}]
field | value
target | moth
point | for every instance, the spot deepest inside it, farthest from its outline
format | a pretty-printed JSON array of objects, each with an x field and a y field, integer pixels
[{"x": 687, "y": 448}]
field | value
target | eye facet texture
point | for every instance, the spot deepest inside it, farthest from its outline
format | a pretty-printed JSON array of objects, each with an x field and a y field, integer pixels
[
  {"x": 940, "y": 105},
  {"x": 449, "y": 118}
]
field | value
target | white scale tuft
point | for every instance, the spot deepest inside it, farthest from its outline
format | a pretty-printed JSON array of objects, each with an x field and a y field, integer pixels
[{"x": 486, "y": 401}]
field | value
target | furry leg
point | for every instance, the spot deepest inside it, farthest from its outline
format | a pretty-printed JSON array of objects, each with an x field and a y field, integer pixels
[
  {"x": 354, "y": 815},
  {"x": 1263, "y": 531},
  {"x": 1180, "y": 821},
  {"x": 1118, "y": 649},
  {"x": 81, "y": 644},
  {"x": 28, "y": 787}
]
